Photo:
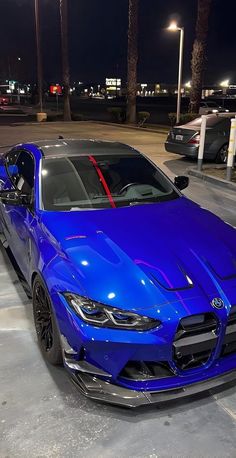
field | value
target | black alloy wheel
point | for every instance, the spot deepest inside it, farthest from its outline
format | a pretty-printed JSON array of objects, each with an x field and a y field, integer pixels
[{"x": 45, "y": 324}]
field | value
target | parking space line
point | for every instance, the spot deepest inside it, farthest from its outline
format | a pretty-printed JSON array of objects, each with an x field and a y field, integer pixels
[{"x": 226, "y": 409}]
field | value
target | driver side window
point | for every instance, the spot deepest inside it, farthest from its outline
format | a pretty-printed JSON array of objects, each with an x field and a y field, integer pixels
[
  {"x": 25, "y": 176},
  {"x": 20, "y": 166},
  {"x": 11, "y": 164}
]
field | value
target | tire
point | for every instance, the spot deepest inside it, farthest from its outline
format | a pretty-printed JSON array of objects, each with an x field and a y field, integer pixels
[
  {"x": 45, "y": 324},
  {"x": 221, "y": 157}
]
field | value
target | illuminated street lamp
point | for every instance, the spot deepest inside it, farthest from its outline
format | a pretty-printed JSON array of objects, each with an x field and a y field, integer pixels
[
  {"x": 224, "y": 83},
  {"x": 187, "y": 87},
  {"x": 18, "y": 77},
  {"x": 173, "y": 27}
]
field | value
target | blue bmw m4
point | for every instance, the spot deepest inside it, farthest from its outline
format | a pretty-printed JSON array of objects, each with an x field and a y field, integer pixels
[{"x": 133, "y": 285}]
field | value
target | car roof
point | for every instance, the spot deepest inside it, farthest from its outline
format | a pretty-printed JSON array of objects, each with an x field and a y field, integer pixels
[
  {"x": 215, "y": 116},
  {"x": 71, "y": 147}
]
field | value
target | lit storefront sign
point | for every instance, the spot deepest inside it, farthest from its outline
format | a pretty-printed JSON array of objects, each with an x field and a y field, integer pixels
[
  {"x": 55, "y": 89},
  {"x": 113, "y": 82}
]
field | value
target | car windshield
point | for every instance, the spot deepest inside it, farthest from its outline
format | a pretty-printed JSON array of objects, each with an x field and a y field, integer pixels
[{"x": 102, "y": 181}]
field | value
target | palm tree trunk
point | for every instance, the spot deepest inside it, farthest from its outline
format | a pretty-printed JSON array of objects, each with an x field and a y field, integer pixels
[
  {"x": 132, "y": 61},
  {"x": 199, "y": 54},
  {"x": 65, "y": 58}
]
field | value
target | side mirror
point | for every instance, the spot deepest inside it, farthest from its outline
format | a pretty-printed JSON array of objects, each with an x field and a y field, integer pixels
[
  {"x": 181, "y": 182},
  {"x": 15, "y": 198}
]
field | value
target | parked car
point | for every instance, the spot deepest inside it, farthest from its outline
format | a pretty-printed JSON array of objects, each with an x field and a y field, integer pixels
[
  {"x": 185, "y": 139},
  {"x": 208, "y": 107},
  {"x": 133, "y": 285}
]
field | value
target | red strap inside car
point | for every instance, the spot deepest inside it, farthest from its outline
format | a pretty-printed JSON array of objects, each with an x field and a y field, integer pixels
[{"x": 103, "y": 181}]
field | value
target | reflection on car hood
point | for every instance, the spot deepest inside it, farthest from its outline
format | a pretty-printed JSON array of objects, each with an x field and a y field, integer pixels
[{"x": 148, "y": 255}]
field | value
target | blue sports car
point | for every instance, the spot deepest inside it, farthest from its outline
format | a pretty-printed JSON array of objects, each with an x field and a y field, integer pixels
[{"x": 133, "y": 285}]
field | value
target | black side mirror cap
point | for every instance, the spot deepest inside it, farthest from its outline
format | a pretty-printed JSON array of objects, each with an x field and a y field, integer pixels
[{"x": 181, "y": 182}]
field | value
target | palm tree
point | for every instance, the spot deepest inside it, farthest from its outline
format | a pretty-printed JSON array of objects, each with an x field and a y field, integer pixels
[
  {"x": 65, "y": 58},
  {"x": 199, "y": 54},
  {"x": 132, "y": 60}
]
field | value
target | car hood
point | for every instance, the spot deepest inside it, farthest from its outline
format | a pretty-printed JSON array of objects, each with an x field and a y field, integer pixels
[{"x": 149, "y": 255}]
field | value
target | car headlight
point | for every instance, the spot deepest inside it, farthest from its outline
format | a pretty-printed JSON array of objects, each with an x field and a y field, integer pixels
[{"x": 108, "y": 317}]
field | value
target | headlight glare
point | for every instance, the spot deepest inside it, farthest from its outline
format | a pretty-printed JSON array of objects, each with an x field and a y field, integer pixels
[{"x": 108, "y": 317}]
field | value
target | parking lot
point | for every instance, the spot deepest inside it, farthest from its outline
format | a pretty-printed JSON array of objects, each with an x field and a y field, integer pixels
[{"x": 41, "y": 413}]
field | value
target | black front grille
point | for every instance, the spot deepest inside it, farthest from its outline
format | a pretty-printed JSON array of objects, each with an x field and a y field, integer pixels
[
  {"x": 232, "y": 315},
  {"x": 146, "y": 370},
  {"x": 195, "y": 340},
  {"x": 229, "y": 344}
]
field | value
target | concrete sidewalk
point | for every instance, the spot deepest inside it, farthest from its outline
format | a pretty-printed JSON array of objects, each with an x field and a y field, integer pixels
[{"x": 215, "y": 174}]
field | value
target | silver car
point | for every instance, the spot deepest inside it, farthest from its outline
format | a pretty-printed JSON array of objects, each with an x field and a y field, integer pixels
[
  {"x": 185, "y": 139},
  {"x": 211, "y": 107}
]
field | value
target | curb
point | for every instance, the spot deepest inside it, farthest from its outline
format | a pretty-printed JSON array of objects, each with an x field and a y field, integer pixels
[
  {"x": 211, "y": 179},
  {"x": 35, "y": 123},
  {"x": 126, "y": 126},
  {"x": 123, "y": 126}
]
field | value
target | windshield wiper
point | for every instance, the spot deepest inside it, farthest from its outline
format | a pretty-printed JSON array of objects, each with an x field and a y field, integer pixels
[
  {"x": 140, "y": 202},
  {"x": 104, "y": 196}
]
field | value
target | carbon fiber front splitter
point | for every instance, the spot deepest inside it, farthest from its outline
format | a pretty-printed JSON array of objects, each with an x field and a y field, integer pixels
[{"x": 95, "y": 388}]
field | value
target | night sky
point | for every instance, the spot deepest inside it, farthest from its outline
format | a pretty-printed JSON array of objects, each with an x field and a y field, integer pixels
[{"x": 98, "y": 39}]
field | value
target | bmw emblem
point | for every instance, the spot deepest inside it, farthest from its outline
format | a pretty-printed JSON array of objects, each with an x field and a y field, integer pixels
[{"x": 217, "y": 303}]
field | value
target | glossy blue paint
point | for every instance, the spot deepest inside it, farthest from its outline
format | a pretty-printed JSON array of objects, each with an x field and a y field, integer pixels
[{"x": 165, "y": 261}]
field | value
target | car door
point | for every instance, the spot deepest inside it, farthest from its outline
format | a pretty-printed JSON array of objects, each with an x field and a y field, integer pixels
[{"x": 19, "y": 219}]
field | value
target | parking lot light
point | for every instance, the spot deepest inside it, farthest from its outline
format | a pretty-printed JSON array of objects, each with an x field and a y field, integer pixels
[
  {"x": 173, "y": 27},
  {"x": 225, "y": 83}
]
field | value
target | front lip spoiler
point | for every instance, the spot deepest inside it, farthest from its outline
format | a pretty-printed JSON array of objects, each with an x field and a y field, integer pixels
[{"x": 100, "y": 390}]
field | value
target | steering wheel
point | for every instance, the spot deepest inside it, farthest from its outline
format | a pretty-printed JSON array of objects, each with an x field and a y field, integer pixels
[{"x": 127, "y": 186}]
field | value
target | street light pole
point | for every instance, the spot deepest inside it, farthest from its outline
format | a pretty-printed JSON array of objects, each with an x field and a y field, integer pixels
[
  {"x": 39, "y": 56},
  {"x": 181, "y": 52},
  {"x": 174, "y": 28},
  {"x": 225, "y": 85}
]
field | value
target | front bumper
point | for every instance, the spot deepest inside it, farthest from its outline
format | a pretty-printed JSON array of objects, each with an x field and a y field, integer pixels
[
  {"x": 104, "y": 363},
  {"x": 104, "y": 391},
  {"x": 188, "y": 150}
]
